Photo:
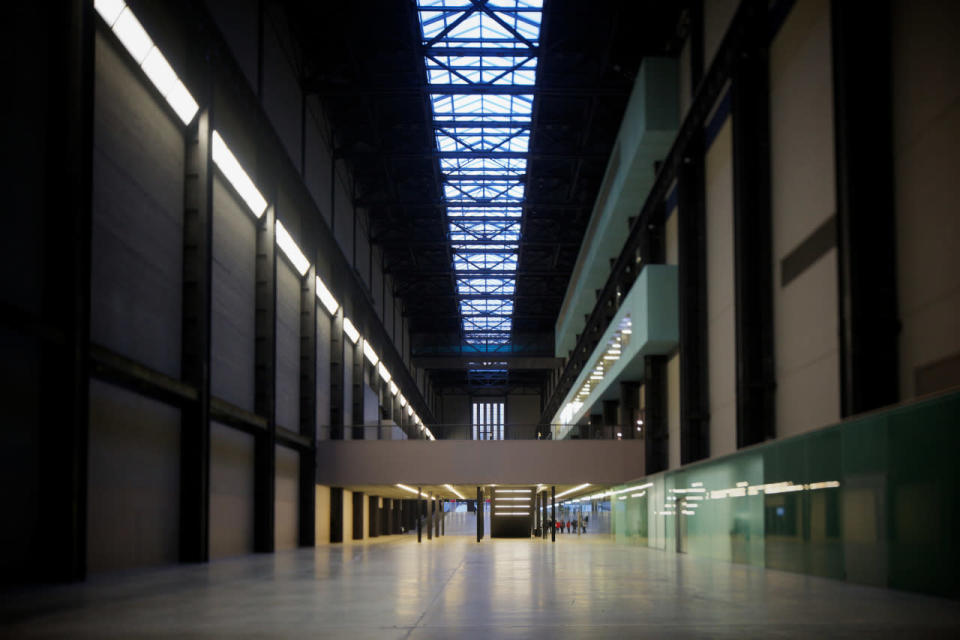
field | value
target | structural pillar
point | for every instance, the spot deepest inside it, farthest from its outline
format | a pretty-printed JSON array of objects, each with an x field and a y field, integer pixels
[
  {"x": 866, "y": 240},
  {"x": 419, "y": 515},
  {"x": 430, "y": 517},
  {"x": 611, "y": 419},
  {"x": 654, "y": 429},
  {"x": 195, "y": 341},
  {"x": 553, "y": 508},
  {"x": 479, "y": 514},
  {"x": 308, "y": 407},
  {"x": 752, "y": 236},
  {"x": 629, "y": 400},
  {"x": 692, "y": 279},
  {"x": 265, "y": 381}
]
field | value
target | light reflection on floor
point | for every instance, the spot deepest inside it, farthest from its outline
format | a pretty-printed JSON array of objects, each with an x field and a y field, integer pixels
[{"x": 453, "y": 587}]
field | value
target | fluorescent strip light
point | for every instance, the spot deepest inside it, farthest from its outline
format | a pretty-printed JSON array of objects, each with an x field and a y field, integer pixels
[
  {"x": 513, "y": 491},
  {"x": 403, "y": 401},
  {"x": 132, "y": 35},
  {"x": 291, "y": 250},
  {"x": 455, "y": 492},
  {"x": 350, "y": 330},
  {"x": 227, "y": 162},
  {"x": 511, "y": 514},
  {"x": 569, "y": 491},
  {"x": 515, "y": 499},
  {"x": 153, "y": 63},
  {"x": 384, "y": 373},
  {"x": 326, "y": 297},
  {"x": 159, "y": 71},
  {"x": 370, "y": 353},
  {"x": 406, "y": 488},
  {"x": 182, "y": 102},
  {"x": 109, "y": 10},
  {"x": 409, "y": 409},
  {"x": 394, "y": 389}
]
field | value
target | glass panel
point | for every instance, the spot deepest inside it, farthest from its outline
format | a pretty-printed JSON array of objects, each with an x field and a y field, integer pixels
[
  {"x": 479, "y": 135},
  {"x": 871, "y": 500}
]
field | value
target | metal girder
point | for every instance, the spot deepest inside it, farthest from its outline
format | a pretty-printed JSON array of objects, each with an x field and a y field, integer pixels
[
  {"x": 460, "y": 362},
  {"x": 348, "y": 90},
  {"x": 416, "y": 155},
  {"x": 555, "y": 206}
]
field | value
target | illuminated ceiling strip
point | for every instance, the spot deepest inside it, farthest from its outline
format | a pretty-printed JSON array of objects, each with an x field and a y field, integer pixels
[{"x": 485, "y": 124}]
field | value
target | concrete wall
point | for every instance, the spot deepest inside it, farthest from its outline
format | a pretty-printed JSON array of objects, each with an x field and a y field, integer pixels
[
  {"x": 347, "y": 519},
  {"x": 522, "y": 415},
  {"x": 286, "y": 499},
  {"x": 673, "y": 411},
  {"x": 721, "y": 340},
  {"x": 133, "y": 482},
  {"x": 926, "y": 139},
  {"x": 803, "y": 188},
  {"x": 322, "y": 515},
  {"x": 456, "y": 416},
  {"x": 424, "y": 463},
  {"x": 231, "y": 491}
]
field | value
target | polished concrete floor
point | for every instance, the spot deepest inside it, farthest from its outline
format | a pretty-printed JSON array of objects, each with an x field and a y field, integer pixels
[{"x": 453, "y": 587}]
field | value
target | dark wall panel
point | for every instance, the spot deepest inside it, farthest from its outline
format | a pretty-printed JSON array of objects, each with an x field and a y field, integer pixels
[
  {"x": 288, "y": 346},
  {"x": 137, "y": 218},
  {"x": 232, "y": 325}
]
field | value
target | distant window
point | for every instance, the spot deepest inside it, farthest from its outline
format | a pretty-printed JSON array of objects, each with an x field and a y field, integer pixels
[{"x": 488, "y": 420}]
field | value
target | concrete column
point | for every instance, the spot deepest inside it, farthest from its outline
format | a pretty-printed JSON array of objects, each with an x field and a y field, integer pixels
[
  {"x": 479, "y": 514},
  {"x": 629, "y": 399},
  {"x": 553, "y": 506},
  {"x": 611, "y": 418},
  {"x": 418, "y": 513},
  {"x": 596, "y": 426},
  {"x": 430, "y": 517}
]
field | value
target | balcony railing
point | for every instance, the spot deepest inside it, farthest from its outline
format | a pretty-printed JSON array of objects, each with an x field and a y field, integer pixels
[{"x": 513, "y": 431}]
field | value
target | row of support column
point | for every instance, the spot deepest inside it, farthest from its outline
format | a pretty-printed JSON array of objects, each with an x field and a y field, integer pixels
[{"x": 429, "y": 512}]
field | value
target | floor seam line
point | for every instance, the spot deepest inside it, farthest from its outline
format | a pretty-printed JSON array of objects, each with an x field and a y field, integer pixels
[{"x": 430, "y": 604}]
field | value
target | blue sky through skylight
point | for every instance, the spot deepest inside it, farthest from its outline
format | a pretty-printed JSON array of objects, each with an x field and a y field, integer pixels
[{"x": 471, "y": 48}]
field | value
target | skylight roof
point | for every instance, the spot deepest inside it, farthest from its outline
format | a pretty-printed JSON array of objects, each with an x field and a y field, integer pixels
[{"x": 481, "y": 61}]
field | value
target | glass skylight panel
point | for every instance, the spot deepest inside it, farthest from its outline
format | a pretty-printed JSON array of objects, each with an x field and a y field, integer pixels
[
  {"x": 490, "y": 286},
  {"x": 486, "y": 306},
  {"x": 484, "y": 262},
  {"x": 483, "y": 165},
  {"x": 506, "y": 232},
  {"x": 479, "y": 134}
]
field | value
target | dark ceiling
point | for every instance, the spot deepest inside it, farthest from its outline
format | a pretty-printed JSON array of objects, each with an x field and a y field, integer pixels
[{"x": 365, "y": 62}]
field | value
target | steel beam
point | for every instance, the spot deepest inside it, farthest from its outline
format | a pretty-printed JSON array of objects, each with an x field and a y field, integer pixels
[
  {"x": 654, "y": 430},
  {"x": 66, "y": 75},
  {"x": 195, "y": 342},
  {"x": 353, "y": 90},
  {"x": 866, "y": 240},
  {"x": 752, "y": 238},
  {"x": 337, "y": 375},
  {"x": 265, "y": 381},
  {"x": 692, "y": 256},
  {"x": 308, "y": 406}
]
